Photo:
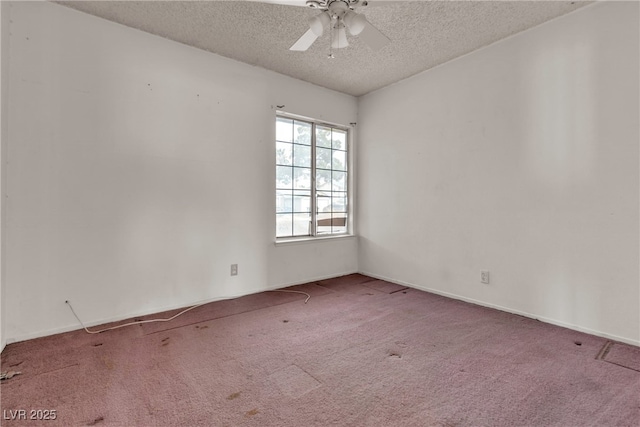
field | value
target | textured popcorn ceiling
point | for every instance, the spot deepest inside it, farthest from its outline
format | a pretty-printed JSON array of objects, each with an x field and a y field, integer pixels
[{"x": 423, "y": 34}]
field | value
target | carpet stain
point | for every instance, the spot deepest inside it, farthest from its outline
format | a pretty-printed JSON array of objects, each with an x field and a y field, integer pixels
[
  {"x": 107, "y": 362},
  {"x": 98, "y": 344},
  {"x": 202, "y": 327},
  {"x": 285, "y": 321},
  {"x": 165, "y": 344},
  {"x": 165, "y": 339},
  {"x": 96, "y": 421},
  {"x": 393, "y": 355},
  {"x": 251, "y": 413},
  {"x": 16, "y": 364},
  {"x": 233, "y": 396},
  {"x": 577, "y": 343}
]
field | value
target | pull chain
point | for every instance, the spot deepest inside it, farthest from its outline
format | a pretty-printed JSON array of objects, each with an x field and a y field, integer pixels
[{"x": 331, "y": 56}]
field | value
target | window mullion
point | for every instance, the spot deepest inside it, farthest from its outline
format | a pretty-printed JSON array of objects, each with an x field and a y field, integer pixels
[{"x": 314, "y": 196}]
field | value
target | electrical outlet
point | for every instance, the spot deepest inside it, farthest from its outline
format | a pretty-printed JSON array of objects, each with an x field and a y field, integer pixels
[
  {"x": 484, "y": 276},
  {"x": 234, "y": 269}
]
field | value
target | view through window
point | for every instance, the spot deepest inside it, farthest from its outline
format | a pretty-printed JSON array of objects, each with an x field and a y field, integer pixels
[{"x": 311, "y": 178}]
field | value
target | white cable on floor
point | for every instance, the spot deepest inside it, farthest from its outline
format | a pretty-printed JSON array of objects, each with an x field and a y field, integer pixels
[
  {"x": 294, "y": 292},
  {"x": 132, "y": 323},
  {"x": 167, "y": 319}
]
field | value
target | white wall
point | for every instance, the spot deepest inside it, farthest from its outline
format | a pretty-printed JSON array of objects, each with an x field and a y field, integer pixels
[
  {"x": 521, "y": 158},
  {"x": 139, "y": 170}
]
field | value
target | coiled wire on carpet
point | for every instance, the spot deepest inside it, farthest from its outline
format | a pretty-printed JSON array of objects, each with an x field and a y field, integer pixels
[{"x": 138, "y": 322}]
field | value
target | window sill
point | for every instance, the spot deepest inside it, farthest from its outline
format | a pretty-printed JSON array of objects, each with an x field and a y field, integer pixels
[{"x": 300, "y": 240}]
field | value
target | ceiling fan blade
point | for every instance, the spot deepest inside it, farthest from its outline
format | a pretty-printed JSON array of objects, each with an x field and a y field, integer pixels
[
  {"x": 305, "y": 41},
  {"x": 373, "y": 37},
  {"x": 301, "y": 3}
]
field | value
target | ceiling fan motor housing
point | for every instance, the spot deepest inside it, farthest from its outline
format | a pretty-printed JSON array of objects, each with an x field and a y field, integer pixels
[{"x": 324, "y": 4}]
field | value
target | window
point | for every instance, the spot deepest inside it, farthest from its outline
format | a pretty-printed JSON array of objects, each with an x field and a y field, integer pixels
[{"x": 311, "y": 178}]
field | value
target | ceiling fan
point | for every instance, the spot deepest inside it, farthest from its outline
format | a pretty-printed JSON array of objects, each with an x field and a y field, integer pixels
[{"x": 338, "y": 15}]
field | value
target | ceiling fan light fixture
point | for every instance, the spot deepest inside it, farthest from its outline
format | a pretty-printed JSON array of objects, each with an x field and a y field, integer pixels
[
  {"x": 339, "y": 15},
  {"x": 355, "y": 22},
  {"x": 339, "y": 37},
  {"x": 318, "y": 22}
]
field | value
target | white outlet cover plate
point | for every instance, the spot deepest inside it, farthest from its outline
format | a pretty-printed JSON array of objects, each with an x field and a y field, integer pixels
[{"x": 484, "y": 276}]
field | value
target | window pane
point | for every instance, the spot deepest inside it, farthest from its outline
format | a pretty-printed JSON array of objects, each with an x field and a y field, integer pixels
[
  {"x": 323, "y": 223},
  {"x": 284, "y": 153},
  {"x": 339, "y": 139},
  {"x": 301, "y": 204},
  {"x": 339, "y": 181},
  {"x": 302, "y": 133},
  {"x": 323, "y": 136},
  {"x": 339, "y": 223},
  {"x": 324, "y": 204},
  {"x": 339, "y": 203},
  {"x": 323, "y": 158},
  {"x": 284, "y": 201},
  {"x": 284, "y": 130},
  {"x": 302, "y": 155},
  {"x": 339, "y": 160},
  {"x": 284, "y": 177},
  {"x": 301, "y": 224},
  {"x": 331, "y": 223},
  {"x": 284, "y": 225},
  {"x": 302, "y": 178},
  {"x": 323, "y": 180}
]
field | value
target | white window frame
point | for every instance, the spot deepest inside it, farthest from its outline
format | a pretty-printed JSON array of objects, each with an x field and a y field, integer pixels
[{"x": 314, "y": 234}]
